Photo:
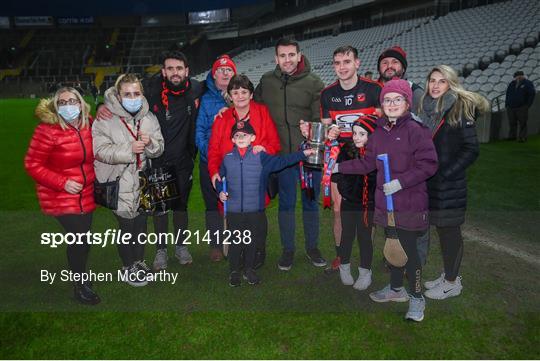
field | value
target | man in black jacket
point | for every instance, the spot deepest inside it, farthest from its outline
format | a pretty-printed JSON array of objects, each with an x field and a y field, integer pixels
[
  {"x": 519, "y": 98},
  {"x": 174, "y": 98}
]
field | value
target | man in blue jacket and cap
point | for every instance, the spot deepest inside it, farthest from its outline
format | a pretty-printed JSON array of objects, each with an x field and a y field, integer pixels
[{"x": 214, "y": 99}]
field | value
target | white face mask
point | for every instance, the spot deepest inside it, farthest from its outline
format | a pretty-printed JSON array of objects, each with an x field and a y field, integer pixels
[
  {"x": 70, "y": 113},
  {"x": 132, "y": 105}
]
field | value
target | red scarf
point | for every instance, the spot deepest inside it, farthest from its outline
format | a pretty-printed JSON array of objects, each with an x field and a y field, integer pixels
[
  {"x": 331, "y": 152},
  {"x": 365, "y": 191},
  {"x": 134, "y": 135},
  {"x": 166, "y": 91}
]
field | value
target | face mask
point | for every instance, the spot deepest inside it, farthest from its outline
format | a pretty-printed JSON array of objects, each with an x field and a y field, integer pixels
[
  {"x": 70, "y": 113},
  {"x": 132, "y": 105}
]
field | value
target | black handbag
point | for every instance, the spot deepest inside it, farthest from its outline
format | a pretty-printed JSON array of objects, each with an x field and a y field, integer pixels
[
  {"x": 106, "y": 193},
  {"x": 159, "y": 191}
]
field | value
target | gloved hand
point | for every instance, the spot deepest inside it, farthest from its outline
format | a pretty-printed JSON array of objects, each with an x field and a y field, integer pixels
[
  {"x": 391, "y": 187},
  {"x": 336, "y": 168}
]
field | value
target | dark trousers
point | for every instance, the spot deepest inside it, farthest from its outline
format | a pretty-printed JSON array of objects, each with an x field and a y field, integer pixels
[
  {"x": 77, "y": 254},
  {"x": 214, "y": 221},
  {"x": 517, "y": 116},
  {"x": 134, "y": 251},
  {"x": 180, "y": 215},
  {"x": 288, "y": 183},
  {"x": 413, "y": 268},
  {"x": 352, "y": 221},
  {"x": 452, "y": 250},
  {"x": 257, "y": 224}
]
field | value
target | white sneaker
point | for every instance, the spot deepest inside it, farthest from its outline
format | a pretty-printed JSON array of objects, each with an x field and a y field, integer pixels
[
  {"x": 416, "y": 310},
  {"x": 160, "y": 261},
  {"x": 183, "y": 255},
  {"x": 345, "y": 274},
  {"x": 431, "y": 284},
  {"x": 364, "y": 279},
  {"x": 387, "y": 294},
  {"x": 445, "y": 289},
  {"x": 134, "y": 276}
]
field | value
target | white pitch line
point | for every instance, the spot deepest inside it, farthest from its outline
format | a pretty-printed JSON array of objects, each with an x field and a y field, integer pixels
[{"x": 498, "y": 247}]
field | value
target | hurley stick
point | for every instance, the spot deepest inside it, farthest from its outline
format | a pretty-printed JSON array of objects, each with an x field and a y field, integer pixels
[
  {"x": 393, "y": 251},
  {"x": 225, "y": 246}
]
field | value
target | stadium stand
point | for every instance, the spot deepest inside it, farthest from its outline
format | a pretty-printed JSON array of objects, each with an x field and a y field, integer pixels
[
  {"x": 467, "y": 40},
  {"x": 479, "y": 42}
]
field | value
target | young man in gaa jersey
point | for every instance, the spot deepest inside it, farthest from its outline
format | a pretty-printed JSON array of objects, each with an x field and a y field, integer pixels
[{"x": 342, "y": 103}]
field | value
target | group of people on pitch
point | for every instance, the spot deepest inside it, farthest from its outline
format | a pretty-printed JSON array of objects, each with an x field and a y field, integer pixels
[{"x": 250, "y": 138}]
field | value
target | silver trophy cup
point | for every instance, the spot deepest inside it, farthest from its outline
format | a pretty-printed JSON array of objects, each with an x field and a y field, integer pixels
[{"x": 318, "y": 133}]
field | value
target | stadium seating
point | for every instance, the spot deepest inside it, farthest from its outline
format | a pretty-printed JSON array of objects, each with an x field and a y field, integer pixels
[
  {"x": 471, "y": 38},
  {"x": 480, "y": 43}
]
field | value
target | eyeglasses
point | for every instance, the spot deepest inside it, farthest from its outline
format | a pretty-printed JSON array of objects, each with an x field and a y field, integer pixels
[
  {"x": 224, "y": 70},
  {"x": 395, "y": 101},
  {"x": 70, "y": 101}
]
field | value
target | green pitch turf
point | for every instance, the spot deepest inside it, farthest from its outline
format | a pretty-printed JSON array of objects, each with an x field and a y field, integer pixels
[{"x": 298, "y": 314}]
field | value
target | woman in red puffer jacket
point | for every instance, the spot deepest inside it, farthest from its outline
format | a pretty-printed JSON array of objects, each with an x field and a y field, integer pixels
[{"x": 61, "y": 161}]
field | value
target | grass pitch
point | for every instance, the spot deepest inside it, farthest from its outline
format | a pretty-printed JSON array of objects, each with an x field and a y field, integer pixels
[{"x": 300, "y": 314}]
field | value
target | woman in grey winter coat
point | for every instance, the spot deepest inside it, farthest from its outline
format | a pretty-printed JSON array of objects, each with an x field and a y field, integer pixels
[{"x": 121, "y": 146}]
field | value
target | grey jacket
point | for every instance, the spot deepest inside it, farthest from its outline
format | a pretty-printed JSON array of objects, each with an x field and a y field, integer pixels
[{"x": 113, "y": 153}]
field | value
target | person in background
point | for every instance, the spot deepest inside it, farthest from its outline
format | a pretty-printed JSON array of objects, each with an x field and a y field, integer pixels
[
  {"x": 450, "y": 112},
  {"x": 61, "y": 161},
  {"x": 519, "y": 98},
  {"x": 392, "y": 64}
]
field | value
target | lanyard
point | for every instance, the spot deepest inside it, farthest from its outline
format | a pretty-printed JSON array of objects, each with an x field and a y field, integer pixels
[{"x": 134, "y": 135}]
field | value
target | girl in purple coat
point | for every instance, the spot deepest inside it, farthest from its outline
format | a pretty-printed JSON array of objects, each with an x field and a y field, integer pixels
[{"x": 413, "y": 160}]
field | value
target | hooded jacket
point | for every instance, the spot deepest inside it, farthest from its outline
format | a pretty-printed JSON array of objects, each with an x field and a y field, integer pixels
[
  {"x": 291, "y": 98},
  {"x": 113, "y": 153},
  {"x": 211, "y": 102},
  {"x": 412, "y": 159},
  {"x": 56, "y": 155}
]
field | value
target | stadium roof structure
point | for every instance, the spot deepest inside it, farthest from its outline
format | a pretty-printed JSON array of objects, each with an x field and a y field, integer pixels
[{"x": 116, "y": 8}]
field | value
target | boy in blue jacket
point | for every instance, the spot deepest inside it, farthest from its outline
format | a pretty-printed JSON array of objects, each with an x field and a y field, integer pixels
[{"x": 247, "y": 175}]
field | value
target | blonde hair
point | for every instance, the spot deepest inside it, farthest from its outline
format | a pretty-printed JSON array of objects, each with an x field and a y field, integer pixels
[
  {"x": 85, "y": 108},
  {"x": 467, "y": 102},
  {"x": 127, "y": 78}
]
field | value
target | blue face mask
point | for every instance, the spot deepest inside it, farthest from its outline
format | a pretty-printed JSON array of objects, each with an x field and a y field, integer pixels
[
  {"x": 132, "y": 105},
  {"x": 70, "y": 113}
]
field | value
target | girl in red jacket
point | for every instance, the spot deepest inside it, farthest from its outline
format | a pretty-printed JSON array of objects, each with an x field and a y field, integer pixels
[{"x": 60, "y": 160}]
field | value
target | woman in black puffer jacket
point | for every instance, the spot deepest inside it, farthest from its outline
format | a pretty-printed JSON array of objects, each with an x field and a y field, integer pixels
[{"x": 450, "y": 111}]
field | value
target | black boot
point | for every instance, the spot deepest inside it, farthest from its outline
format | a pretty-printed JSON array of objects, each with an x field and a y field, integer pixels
[{"x": 84, "y": 293}]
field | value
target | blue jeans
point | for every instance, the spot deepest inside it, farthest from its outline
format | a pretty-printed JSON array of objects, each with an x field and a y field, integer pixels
[{"x": 288, "y": 182}]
